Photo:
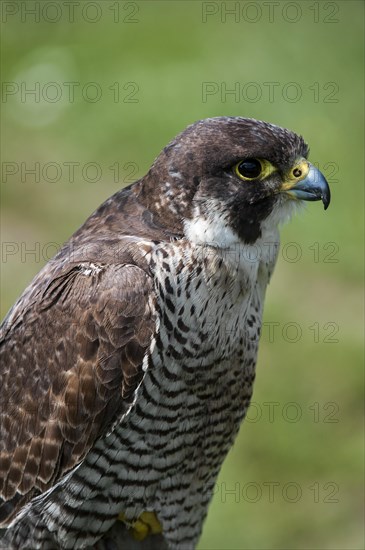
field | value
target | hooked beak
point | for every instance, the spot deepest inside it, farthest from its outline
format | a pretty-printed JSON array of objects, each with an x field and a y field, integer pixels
[{"x": 310, "y": 185}]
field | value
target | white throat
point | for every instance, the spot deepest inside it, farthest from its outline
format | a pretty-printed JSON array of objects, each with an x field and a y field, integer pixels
[{"x": 213, "y": 230}]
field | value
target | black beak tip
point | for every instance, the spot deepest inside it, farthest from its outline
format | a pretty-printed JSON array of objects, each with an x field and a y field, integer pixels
[{"x": 326, "y": 198}]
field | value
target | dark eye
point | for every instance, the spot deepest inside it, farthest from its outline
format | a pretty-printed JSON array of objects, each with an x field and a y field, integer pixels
[{"x": 249, "y": 169}]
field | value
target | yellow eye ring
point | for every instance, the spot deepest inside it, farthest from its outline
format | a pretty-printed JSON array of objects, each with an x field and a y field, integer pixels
[
  {"x": 253, "y": 168},
  {"x": 248, "y": 169}
]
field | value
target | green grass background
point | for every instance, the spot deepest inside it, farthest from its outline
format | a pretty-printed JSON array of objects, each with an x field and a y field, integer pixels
[{"x": 169, "y": 52}]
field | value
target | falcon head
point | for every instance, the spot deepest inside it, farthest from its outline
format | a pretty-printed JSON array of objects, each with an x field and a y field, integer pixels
[{"x": 231, "y": 179}]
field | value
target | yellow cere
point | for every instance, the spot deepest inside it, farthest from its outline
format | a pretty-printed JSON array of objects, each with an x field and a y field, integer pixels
[{"x": 297, "y": 173}]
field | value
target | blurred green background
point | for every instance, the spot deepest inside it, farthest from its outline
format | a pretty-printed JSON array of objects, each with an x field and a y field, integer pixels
[{"x": 113, "y": 83}]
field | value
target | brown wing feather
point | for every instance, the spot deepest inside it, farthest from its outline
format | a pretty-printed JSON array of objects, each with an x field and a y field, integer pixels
[{"x": 71, "y": 360}]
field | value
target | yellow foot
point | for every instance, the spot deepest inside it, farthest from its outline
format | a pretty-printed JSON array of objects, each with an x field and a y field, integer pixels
[{"x": 146, "y": 524}]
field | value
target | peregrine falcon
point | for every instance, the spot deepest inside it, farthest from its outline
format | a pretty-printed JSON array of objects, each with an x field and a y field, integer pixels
[{"x": 127, "y": 365}]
